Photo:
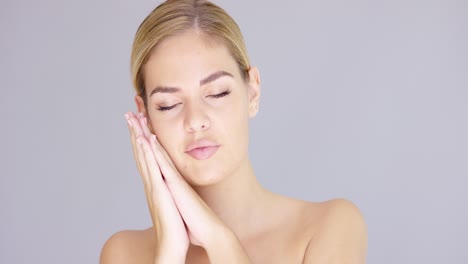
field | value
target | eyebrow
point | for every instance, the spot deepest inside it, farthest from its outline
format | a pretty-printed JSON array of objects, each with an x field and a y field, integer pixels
[
  {"x": 209, "y": 79},
  {"x": 214, "y": 76}
]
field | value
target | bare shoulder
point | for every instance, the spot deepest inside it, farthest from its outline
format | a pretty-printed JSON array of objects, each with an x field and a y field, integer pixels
[
  {"x": 128, "y": 246},
  {"x": 339, "y": 233},
  {"x": 337, "y": 212}
]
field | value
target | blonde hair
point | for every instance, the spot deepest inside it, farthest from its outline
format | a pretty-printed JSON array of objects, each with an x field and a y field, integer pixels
[{"x": 176, "y": 16}]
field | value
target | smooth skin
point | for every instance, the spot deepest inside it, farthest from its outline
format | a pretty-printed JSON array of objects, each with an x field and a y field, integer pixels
[{"x": 214, "y": 210}]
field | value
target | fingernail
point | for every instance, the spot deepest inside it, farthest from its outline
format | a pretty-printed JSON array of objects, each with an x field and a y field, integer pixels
[
  {"x": 129, "y": 122},
  {"x": 145, "y": 121},
  {"x": 153, "y": 137},
  {"x": 139, "y": 141}
]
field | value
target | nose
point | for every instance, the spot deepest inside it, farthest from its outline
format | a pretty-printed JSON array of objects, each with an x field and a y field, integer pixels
[{"x": 196, "y": 119}]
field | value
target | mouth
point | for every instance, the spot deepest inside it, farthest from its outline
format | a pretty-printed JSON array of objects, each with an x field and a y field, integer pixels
[
  {"x": 202, "y": 149},
  {"x": 202, "y": 153}
]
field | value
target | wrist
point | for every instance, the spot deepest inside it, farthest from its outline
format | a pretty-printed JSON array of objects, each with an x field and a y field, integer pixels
[
  {"x": 225, "y": 247},
  {"x": 167, "y": 254},
  {"x": 165, "y": 257}
]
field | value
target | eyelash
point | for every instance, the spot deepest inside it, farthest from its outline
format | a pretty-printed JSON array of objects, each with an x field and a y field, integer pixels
[
  {"x": 220, "y": 95},
  {"x": 166, "y": 108},
  {"x": 216, "y": 96}
]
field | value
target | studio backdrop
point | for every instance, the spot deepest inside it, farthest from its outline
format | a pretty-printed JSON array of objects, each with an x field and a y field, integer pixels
[{"x": 364, "y": 100}]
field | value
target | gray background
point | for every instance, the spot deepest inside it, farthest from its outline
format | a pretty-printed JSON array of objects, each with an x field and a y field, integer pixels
[{"x": 361, "y": 99}]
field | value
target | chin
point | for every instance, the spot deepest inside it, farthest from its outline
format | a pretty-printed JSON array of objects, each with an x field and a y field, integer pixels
[
  {"x": 199, "y": 178},
  {"x": 209, "y": 172}
]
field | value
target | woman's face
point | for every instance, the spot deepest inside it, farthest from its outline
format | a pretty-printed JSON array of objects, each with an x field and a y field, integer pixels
[{"x": 199, "y": 106}]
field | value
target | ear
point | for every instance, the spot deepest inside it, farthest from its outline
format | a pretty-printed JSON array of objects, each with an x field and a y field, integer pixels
[
  {"x": 142, "y": 109},
  {"x": 140, "y": 104},
  {"x": 254, "y": 91}
]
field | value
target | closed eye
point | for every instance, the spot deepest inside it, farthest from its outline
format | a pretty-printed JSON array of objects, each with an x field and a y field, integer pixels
[
  {"x": 220, "y": 94},
  {"x": 166, "y": 108}
]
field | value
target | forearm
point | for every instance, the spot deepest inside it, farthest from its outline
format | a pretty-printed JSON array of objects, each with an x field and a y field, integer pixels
[
  {"x": 165, "y": 255},
  {"x": 227, "y": 249},
  {"x": 168, "y": 258}
]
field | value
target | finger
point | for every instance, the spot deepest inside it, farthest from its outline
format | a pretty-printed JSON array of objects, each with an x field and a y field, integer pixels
[
  {"x": 130, "y": 130},
  {"x": 162, "y": 150},
  {"x": 179, "y": 188},
  {"x": 137, "y": 125},
  {"x": 160, "y": 194},
  {"x": 163, "y": 209},
  {"x": 148, "y": 134},
  {"x": 153, "y": 172},
  {"x": 137, "y": 129},
  {"x": 142, "y": 134},
  {"x": 145, "y": 135},
  {"x": 144, "y": 126},
  {"x": 181, "y": 193},
  {"x": 141, "y": 161},
  {"x": 162, "y": 159},
  {"x": 157, "y": 194},
  {"x": 133, "y": 141}
]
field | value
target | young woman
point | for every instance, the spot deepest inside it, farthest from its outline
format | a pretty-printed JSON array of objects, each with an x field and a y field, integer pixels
[{"x": 196, "y": 92}]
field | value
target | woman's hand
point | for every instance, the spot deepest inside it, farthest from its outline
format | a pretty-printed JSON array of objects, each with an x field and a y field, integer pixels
[
  {"x": 178, "y": 202},
  {"x": 171, "y": 236}
]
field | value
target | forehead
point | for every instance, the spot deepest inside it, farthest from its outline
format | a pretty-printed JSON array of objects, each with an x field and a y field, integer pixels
[{"x": 187, "y": 58}]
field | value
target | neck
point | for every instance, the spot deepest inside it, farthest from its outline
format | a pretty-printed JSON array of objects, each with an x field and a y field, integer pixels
[{"x": 238, "y": 200}]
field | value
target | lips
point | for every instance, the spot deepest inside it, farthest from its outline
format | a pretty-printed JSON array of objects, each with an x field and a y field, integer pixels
[{"x": 202, "y": 149}]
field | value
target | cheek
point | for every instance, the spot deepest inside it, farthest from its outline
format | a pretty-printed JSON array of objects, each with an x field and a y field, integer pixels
[
  {"x": 167, "y": 134},
  {"x": 234, "y": 121}
]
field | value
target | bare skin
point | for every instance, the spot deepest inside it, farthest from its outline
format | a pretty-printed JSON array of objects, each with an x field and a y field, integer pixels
[
  {"x": 225, "y": 210},
  {"x": 285, "y": 240}
]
